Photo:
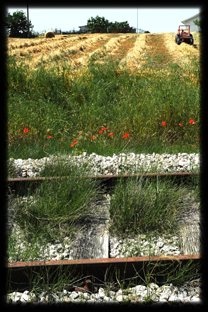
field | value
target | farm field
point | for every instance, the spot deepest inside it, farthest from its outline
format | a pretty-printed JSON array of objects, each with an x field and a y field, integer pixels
[{"x": 143, "y": 85}]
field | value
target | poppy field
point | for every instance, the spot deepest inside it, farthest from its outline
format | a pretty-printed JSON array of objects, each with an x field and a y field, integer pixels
[{"x": 103, "y": 93}]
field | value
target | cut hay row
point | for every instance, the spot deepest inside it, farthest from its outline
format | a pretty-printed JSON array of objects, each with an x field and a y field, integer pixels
[
  {"x": 136, "y": 56},
  {"x": 136, "y": 50},
  {"x": 180, "y": 53},
  {"x": 112, "y": 47}
]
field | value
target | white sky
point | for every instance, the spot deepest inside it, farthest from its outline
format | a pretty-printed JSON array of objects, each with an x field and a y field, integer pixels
[{"x": 155, "y": 20}]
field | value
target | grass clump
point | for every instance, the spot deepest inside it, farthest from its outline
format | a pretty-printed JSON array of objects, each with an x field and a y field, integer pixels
[
  {"x": 56, "y": 209},
  {"x": 141, "y": 206}
]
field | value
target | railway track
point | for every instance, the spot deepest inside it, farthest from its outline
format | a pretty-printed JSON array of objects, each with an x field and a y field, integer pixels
[
  {"x": 20, "y": 185},
  {"x": 109, "y": 271},
  {"x": 105, "y": 270}
]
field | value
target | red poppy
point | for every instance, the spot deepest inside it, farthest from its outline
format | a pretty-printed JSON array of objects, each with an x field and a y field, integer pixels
[
  {"x": 125, "y": 135},
  {"x": 26, "y": 130},
  {"x": 154, "y": 122},
  {"x": 111, "y": 133},
  {"x": 164, "y": 124},
  {"x": 92, "y": 137},
  {"x": 49, "y": 137},
  {"x": 103, "y": 128},
  {"x": 180, "y": 125},
  {"x": 48, "y": 131},
  {"x": 192, "y": 121},
  {"x": 198, "y": 139},
  {"x": 101, "y": 131},
  {"x": 75, "y": 141},
  {"x": 184, "y": 135},
  {"x": 72, "y": 144}
]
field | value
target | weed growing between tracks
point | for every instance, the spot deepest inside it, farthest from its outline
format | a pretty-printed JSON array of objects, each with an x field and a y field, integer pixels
[
  {"x": 144, "y": 206},
  {"x": 57, "y": 209}
]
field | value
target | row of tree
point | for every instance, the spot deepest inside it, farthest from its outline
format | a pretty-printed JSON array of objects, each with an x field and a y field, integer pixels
[{"x": 102, "y": 25}]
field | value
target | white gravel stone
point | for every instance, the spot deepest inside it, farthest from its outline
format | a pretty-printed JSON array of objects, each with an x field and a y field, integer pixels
[
  {"x": 74, "y": 295},
  {"x": 110, "y": 165}
]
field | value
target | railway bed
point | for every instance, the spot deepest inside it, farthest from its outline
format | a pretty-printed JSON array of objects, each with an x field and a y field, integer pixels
[{"x": 105, "y": 270}]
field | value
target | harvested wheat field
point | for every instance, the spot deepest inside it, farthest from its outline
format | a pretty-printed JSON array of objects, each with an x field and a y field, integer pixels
[{"x": 140, "y": 52}]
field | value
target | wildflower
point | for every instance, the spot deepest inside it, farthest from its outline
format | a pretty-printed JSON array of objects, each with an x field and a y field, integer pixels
[
  {"x": 194, "y": 145},
  {"x": 198, "y": 139},
  {"x": 164, "y": 124},
  {"x": 103, "y": 128},
  {"x": 154, "y": 122},
  {"x": 92, "y": 137},
  {"x": 49, "y": 137},
  {"x": 125, "y": 135},
  {"x": 111, "y": 133},
  {"x": 180, "y": 125},
  {"x": 26, "y": 130},
  {"x": 100, "y": 131},
  {"x": 184, "y": 135},
  {"x": 75, "y": 142},
  {"x": 48, "y": 131},
  {"x": 192, "y": 121}
]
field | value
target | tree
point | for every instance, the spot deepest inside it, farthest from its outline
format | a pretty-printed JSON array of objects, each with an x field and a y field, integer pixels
[
  {"x": 97, "y": 24},
  {"x": 17, "y": 25},
  {"x": 198, "y": 23},
  {"x": 102, "y": 25}
]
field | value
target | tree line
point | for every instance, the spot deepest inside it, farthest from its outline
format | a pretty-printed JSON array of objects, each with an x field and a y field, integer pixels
[{"x": 102, "y": 25}]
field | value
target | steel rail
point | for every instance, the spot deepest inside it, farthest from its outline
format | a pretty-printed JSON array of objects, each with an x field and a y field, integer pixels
[
  {"x": 102, "y": 269},
  {"x": 109, "y": 176},
  {"x": 102, "y": 261},
  {"x": 21, "y": 184}
]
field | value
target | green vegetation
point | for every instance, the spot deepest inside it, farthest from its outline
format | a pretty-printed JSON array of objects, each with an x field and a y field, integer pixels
[
  {"x": 155, "y": 110},
  {"x": 144, "y": 206},
  {"x": 103, "y": 109}
]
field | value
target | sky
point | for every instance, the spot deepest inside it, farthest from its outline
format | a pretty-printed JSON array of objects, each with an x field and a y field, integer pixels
[{"x": 154, "y": 20}]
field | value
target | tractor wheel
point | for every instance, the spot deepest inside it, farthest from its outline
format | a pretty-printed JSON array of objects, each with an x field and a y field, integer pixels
[
  {"x": 191, "y": 40},
  {"x": 178, "y": 39}
]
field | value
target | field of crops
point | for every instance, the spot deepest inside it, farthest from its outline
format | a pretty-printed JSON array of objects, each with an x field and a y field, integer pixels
[
  {"x": 143, "y": 85},
  {"x": 130, "y": 48}
]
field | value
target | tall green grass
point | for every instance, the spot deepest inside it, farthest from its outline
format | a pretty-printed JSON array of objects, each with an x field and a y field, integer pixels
[
  {"x": 140, "y": 205},
  {"x": 70, "y": 107}
]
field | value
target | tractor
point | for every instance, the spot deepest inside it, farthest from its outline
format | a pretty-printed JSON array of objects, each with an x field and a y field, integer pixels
[{"x": 184, "y": 35}]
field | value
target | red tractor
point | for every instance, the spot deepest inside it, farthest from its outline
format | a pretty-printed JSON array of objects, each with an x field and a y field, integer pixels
[{"x": 184, "y": 35}]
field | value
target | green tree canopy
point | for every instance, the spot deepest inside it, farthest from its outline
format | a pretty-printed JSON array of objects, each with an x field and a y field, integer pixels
[
  {"x": 17, "y": 25},
  {"x": 196, "y": 22},
  {"x": 102, "y": 25}
]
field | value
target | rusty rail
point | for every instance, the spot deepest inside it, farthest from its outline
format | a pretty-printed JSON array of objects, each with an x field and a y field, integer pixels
[
  {"x": 21, "y": 184},
  {"x": 101, "y": 269}
]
